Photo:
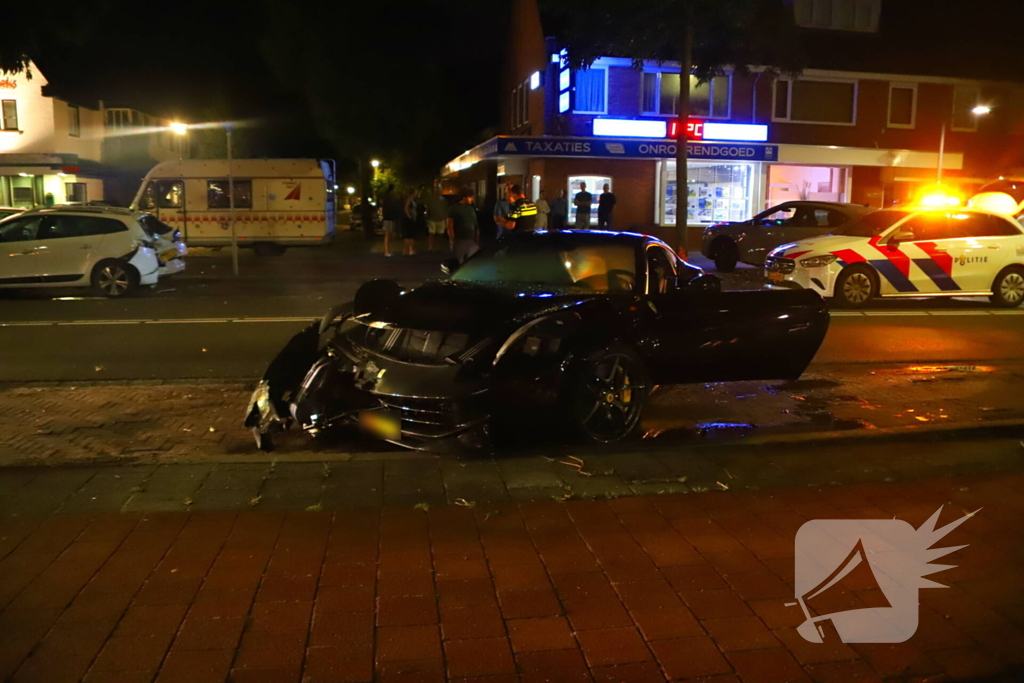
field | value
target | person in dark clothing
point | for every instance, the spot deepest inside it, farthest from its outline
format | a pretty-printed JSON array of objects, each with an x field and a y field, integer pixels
[
  {"x": 463, "y": 227},
  {"x": 522, "y": 215},
  {"x": 605, "y": 205},
  {"x": 410, "y": 213},
  {"x": 583, "y": 201},
  {"x": 391, "y": 208},
  {"x": 559, "y": 211}
]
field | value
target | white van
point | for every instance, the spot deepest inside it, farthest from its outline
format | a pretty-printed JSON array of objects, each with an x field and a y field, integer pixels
[{"x": 278, "y": 202}]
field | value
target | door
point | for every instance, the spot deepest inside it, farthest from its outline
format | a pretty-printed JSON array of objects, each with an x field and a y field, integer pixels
[
  {"x": 925, "y": 261},
  {"x": 806, "y": 221},
  {"x": 71, "y": 245},
  {"x": 166, "y": 200},
  {"x": 987, "y": 247},
  {"x": 20, "y": 258}
]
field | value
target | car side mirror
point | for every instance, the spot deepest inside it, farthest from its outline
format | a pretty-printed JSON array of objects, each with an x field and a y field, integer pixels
[
  {"x": 903, "y": 236},
  {"x": 705, "y": 282},
  {"x": 450, "y": 265}
]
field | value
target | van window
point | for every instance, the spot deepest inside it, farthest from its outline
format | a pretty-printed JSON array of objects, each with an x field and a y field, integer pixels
[
  {"x": 217, "y": 196},
  {"x": 163, "y": 194}
]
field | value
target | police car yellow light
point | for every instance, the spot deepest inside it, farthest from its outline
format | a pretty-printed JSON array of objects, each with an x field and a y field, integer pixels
[
  {"x": 996, "y": 202},
  {"x": 935, "y": 199}
]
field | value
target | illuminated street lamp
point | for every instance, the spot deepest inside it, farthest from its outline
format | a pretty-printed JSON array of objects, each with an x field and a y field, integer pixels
[
  {"x": 375, "y": 162},
  {"x": 182, "y": 129},
  {"x": 979, "y": 110},
  {"x": 350, "y": 189}
]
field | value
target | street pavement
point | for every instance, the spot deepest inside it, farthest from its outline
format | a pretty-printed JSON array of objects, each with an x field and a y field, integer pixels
[{"x": 650, "y": 588}]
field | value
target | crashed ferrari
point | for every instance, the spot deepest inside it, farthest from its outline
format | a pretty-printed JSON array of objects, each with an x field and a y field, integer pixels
[{"x": 571, "y": 330}]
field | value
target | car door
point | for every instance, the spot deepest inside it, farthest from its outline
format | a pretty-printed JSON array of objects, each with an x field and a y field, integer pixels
[
  {"x": 764, "y": 232},
  {"x": 987, "y": 247},
  {"x": 926, "y": 261},
  {"x": 20, "y": 258},
  {"x": 807, "y": 221},
  {"x": 77, "y": 243}
]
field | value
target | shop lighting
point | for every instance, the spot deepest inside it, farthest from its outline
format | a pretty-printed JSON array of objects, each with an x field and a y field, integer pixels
[
  {"x": 629, "y": 128},
  {"x": 740, "y": 132},
  {"x": 981, "y": 109},
  {"x": 534, "y": 80},
  {"x": 563, "y": 103}
]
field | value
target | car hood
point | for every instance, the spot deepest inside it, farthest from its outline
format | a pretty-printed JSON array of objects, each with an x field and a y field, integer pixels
[
  {"x": 448, "y": 306},
  {"x": 818, "y": 245}
]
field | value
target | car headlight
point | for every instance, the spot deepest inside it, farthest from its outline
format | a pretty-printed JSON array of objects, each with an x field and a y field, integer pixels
[{"x": 818, "y": 261}]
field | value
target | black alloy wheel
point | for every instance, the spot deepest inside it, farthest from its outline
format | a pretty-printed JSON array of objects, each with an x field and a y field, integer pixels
[{"x": 610, "y": 394}]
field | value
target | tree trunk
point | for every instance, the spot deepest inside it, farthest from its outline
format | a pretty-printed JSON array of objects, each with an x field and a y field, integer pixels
[{"x": 685, "y": 67}]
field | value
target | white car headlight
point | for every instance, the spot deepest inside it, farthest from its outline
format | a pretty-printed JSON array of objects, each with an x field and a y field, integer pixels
[{"x": 818, "y": 261}]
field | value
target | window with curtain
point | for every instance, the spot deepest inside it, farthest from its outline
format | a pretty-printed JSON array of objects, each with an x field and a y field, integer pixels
[
  {"x": 591, "y": 93},
  {"x": 660, "y": 95}
]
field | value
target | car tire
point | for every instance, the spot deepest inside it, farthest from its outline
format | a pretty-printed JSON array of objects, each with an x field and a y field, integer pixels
[
  {"x": 112, "y": 278},
  {"x": 607, "y": 395},
  {"x": 856, "y": 287},
  {"x": 1008, "y": 288},
  {"x": 726, "y": 256}
]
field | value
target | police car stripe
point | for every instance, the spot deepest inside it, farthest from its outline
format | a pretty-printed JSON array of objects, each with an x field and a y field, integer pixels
[
  {"x": 939, "y": 276},
  {"x": 891, "y": 272}
]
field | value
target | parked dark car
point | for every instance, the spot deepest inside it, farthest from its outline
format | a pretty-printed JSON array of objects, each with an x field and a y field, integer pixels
[
  {"x": 750, "y": 241},
  {"x": 569, "y": 329}
]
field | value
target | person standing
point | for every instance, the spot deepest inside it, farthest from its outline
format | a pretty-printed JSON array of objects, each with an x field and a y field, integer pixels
[
  {"x": 463, "y": 228},
  {"x": 583, "y": 201},
  {"x": 543, "y": 210},
  {"x": 605, "y": 205},
  {"x": 391, "y": 208},
  {"x": 559, "y": 211},
  {"x": 522, "y": 216},
  {"x": 437, "y": 215},
  {"x": 501, "y": 209},
  {"x": 409, "y": 211}
]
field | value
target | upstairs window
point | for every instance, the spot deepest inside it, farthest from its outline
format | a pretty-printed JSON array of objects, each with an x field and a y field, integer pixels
[
  {"x": 965, "y": 98},
  {"x": 592, "y": 91},
  {"x": 841, "y": 15},
  {"x": 9, "y": 110},
  {"x": 74, "y": 121},
  {"x": 816, "y": 101},
  {"x": 902, "y": 105},
  {"x": 660, "y": 96}
]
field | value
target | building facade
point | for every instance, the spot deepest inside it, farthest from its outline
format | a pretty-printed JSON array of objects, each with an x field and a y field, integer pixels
[
  {"x": 755, "y": 139},
  {"x": 53, "y": 151}
]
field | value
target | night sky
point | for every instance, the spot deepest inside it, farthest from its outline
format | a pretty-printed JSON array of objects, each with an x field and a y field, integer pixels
[{"x": 414, "y": 82}]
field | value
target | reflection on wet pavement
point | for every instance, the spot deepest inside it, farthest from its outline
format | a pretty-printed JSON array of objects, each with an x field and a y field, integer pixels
[{"x": 848, "y": 399}]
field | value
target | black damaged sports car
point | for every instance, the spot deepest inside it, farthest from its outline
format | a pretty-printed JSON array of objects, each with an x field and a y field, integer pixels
[{"x": 568, "y": 329}]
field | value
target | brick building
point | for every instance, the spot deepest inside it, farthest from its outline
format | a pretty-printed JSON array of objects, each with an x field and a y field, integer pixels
[
  {"x": 839, "y": 132},
  {"x": 54, "y": 150}
]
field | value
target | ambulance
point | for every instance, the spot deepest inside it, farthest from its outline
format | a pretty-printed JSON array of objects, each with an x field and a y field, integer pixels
[
  {"x": 279, "y": 203},
  {"x": 913, "y": 252}
]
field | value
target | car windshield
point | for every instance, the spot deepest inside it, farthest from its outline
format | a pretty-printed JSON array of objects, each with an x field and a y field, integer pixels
[
  {"x": 872, "y": 224},
  {"x": 557, "y": 260}
]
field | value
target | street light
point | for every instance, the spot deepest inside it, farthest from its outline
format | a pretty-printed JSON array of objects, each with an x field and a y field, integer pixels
[
  {"x": 350, "y": 189},
  {"x": 182, "y": 129},
  {"x": 375, "y": 162},
  {"x": 979, "y": 110}
]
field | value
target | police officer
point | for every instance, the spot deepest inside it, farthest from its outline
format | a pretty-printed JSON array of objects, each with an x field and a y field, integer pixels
[{"x": 522, "y": 215}]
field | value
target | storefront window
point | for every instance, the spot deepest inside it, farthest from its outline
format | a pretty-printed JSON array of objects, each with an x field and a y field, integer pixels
[
  {"x": 595, "y": 186},
  {"x": 715, "y": 192},
  {"x": 807, "y": 183}
]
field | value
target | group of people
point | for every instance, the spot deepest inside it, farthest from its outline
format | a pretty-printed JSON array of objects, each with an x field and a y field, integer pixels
[
  {"x": 512, "y": 212},
  {"x": 554, "y": 214}
]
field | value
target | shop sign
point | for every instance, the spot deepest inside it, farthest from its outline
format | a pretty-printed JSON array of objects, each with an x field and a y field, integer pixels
[{"x": 625, "y": 148}]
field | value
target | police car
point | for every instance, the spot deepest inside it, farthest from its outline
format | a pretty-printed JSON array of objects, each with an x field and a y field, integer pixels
[{"x": 908, "y": 253}]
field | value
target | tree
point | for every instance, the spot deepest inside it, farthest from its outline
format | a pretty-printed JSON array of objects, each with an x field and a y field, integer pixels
[{"x": 703, "y": 36}]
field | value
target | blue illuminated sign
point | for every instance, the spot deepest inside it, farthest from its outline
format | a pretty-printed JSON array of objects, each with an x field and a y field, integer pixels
[{"x": 626, "y": 149}]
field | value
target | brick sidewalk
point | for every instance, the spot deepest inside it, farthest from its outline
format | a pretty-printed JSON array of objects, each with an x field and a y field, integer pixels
[
  {"x": 174, "y": 422},
  {"x": 643, "y": 588}
]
